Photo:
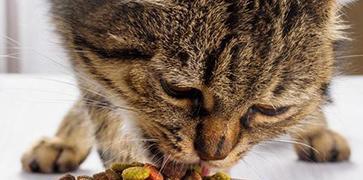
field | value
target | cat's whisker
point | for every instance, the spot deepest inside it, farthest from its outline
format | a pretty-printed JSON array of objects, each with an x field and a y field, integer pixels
[
  {"x": 311, "y": 123},
  {"x": 131, "y": 140},
  {"x": 30, "y": 48},
  {"x": 12, "y": 56},
  {"x": 36, "y": 90},
  {"x": 108, "y": 145},
  {"x": 253, "y": 168},
  {"x": 165, "y": 161},
  {"x": 101, "y": 107},
  {"x": 17, "y": 43},
  {"x": 95, "y": 103},
  {"x": 11, "y": 40},
  {"x": 66, "y": 68},
  {"x": 294, "y": 142},
  {"x": 350, "y": 56},
  {"x": 76, "y": 86},
  {"x": 157, "y": 161},
  {"x": 257, "y": 153},
  {"x": 89, "y": 102},
  {"x": 142, "y": 140}
]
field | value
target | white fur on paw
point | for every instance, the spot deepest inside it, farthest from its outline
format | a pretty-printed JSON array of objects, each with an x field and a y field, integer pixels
[{"x": 50, "y": 155}]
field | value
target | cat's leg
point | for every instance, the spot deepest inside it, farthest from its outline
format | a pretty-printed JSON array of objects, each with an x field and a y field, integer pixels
[
  {"x": 317, "y": 143},
  {"x": 66, "y": 150},
  {"x": 118, "y": 140}
]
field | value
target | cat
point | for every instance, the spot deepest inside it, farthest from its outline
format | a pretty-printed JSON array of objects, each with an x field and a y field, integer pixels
[{"x": 186, "y": 82}]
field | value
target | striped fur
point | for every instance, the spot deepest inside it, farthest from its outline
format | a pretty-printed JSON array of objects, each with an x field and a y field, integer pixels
[{"x": 226, "y": 55}]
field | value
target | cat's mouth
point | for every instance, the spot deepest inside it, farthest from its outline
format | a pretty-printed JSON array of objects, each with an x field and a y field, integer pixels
[
  {"x": 174, "y": 168},
  {"x": 177, "y": 169}
]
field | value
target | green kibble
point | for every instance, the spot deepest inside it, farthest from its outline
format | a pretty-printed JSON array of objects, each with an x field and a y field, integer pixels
[
  {"x": 218, "y": 176},
  {"x": 135, "y": 173},
  {"x": 119, "y": 167},
  {"x": 137, "y": 164}
]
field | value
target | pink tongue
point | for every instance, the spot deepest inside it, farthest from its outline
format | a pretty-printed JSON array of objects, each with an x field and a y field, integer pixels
[{"x": 205, "y": 169}]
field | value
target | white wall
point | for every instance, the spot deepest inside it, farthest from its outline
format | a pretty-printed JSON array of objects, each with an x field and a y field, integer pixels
[
  {"x": 2, "y": 33},
  {"x": 41, "y": 49}
]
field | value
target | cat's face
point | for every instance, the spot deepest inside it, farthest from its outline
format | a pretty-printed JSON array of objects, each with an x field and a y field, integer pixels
[{"x": 208, "y": 79}]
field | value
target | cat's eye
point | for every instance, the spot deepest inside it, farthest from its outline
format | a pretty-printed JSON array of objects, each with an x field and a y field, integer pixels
[
  {"x": 177, "y": 92},
  {"x": 192, "y": 94},
  {"x": 123, "y": 53},
  {"x": 261, "y": 113},
  {"x": 268, "y": 110}
]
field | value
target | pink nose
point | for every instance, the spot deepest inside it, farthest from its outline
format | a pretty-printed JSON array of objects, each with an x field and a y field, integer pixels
[{"x": 216, "y": 138}]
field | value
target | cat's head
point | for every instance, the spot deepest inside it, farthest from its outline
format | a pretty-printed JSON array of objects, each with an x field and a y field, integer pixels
[{"x": 208, "y": 79}]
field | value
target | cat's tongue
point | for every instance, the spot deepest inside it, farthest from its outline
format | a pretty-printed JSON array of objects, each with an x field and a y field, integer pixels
[{"x": 205, "y": 169}]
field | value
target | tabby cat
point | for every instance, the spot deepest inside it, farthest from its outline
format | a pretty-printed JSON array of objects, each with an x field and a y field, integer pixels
[{"x": 192, "y": 82}]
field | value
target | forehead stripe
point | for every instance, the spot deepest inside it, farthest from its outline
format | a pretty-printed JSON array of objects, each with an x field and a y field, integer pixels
[
  {"x": 290, "y": 18},
  {"x": 212, "y": 58}
]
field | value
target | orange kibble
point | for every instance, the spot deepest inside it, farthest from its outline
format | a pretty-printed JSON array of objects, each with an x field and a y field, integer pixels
[{"x": 154, "y": 173}]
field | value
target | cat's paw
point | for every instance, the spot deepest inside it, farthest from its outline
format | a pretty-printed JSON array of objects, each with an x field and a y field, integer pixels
[
  {"x": 324, "y": 146},
  {"x": 51, "y": 155}
]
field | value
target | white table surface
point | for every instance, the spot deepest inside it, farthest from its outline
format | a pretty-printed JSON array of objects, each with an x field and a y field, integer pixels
[{"x": 31, "y": 106}]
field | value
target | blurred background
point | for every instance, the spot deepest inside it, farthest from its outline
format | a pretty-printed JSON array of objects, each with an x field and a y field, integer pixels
[{"x": 28, "y": 43}]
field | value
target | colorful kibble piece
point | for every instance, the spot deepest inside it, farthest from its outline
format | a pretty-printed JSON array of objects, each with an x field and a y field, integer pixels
[
  {"x": 154, "y": 173},
  {"x": 68, "y": 177},
  {"x": 192, "y": 175},
  {"x": 139, "y": 171},
  {"x": 136, "y": 173},
  {"x": 218, "y": 176},
  {"x": 119, "y": 167},
  {"x": 112, "y": 175},
  {"x": 84, "y": 178},
  {"x": 173, "y": 170},
  {"x": 100, "y": 176}
]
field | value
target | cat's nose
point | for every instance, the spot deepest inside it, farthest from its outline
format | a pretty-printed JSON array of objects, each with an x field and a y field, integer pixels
[{"x": 216, "y": 138}]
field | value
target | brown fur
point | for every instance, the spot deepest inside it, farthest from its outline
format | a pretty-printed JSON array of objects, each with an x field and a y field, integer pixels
[{"x": 224, "y": 56}]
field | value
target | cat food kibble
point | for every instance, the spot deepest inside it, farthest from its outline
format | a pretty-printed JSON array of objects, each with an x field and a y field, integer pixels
[
  {"x": 218, "y": 176},
  {"x": 173, "y": 170},
  {"x": 139, "y": 171},
  {"x": 120, "y": 167},
  {"x": 154, "y": 173},
  {"x": 68, "y": 177},
  {"x": 136, "y": 173},
  {"x": 192, "y": 175},
  {"x": 112, "y": 175},
  {"x": 84, "y": 178}
]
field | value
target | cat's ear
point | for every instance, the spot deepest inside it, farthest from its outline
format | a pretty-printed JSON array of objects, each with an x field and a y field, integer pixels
[{"x": 345, "y": 2}]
